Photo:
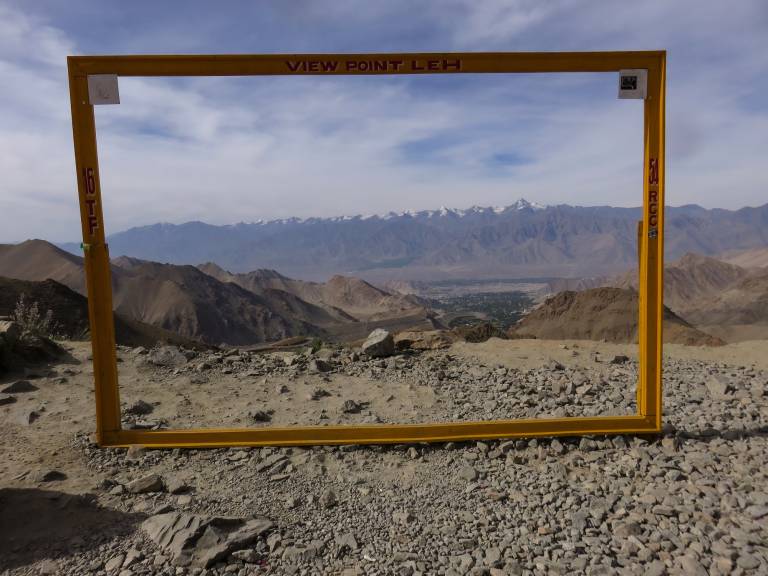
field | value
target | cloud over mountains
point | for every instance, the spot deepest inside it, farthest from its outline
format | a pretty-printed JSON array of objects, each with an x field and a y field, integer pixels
[{"x": 244, "y": 149}]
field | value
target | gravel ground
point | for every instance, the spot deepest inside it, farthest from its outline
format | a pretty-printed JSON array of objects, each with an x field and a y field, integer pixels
[
  {"x": 337, "y": 386},
  {"x": 693, "y": 501}
]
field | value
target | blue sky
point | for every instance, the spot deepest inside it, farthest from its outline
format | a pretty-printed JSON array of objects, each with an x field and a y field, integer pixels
[{"x": 230, "y": 150}]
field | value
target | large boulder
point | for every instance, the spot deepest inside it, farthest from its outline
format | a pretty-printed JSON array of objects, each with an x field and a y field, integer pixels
[
  {"x": 33, "y": 348},
  {"x": 19, "y": 348},
  {"x": 379, "y": 344},
  {"x": 10, "y": 331},
  {"x": 166, "y": 356},
  {"x": 146, "y": 484},
  {"x": 192, "y": 540},
  {"x": 423, "y": 340}
]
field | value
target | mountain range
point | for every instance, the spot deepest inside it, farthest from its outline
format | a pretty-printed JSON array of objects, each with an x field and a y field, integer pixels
[
  {"x": 719, "y": 297},
  {"x": 209, "y": 304},
  {"x": 220, "y": 307},
  {"x": 70, "y": 313},
  {"x": 522, "y": 240}
]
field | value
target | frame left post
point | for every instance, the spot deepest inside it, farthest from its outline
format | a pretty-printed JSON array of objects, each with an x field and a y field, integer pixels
[{"x": 96, "y": 257}]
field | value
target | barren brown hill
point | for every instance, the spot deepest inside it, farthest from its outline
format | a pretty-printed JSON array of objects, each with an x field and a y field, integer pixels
[
  {"x": 41, "y": 260},
  {"x": 270, "y": 283},
  {"x": 279, "y": 299},
  {"x": 70, "y": 313},
  {"x": 601, "y": 314},
  {"x": 722, "y": 298},
  {"x": 739, "y": 312},
  {"x": 179, "y": 299},
  {"x": 215, "y": 306},
  {"x": 752, "y": 258},
  {"x": 185, "y": 300},
  {"x": 364, "y": 300},
  {"x": 345, "y": 298},
  {"x": 690, "y": 280}
]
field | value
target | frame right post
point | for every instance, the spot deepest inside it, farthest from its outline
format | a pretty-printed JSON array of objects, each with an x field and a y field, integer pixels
[{"x": 651, "y": 293}]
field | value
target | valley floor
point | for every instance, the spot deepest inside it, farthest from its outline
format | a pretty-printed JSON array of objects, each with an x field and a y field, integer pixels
[{"x": 693, "y": 501}]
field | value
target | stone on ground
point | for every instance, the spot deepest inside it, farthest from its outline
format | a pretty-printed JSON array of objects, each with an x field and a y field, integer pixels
[
  {"x": 379, "y": 344},
  {"x": 426, "y": 340},
  {"x": 145, "y": 484},
  {"x": 193, "y": 540},
  {"x": 166, "y": 356}
]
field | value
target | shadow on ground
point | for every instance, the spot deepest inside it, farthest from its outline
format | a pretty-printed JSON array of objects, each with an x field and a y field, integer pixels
[
  {"x": 33, "y": 361},
  {"x": 727, "y": 434},
  {"x": 43, "y": 524}
]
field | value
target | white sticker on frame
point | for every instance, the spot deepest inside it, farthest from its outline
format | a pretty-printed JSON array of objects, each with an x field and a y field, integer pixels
[
  {"x": 102, "y": 89},
  {"x": 633, "y": 83}
]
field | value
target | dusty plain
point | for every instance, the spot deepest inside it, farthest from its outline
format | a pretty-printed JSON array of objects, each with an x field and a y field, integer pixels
[{"x": 692, "y": 501}]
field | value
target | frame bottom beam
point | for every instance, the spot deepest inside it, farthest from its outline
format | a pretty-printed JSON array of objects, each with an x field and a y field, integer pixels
[{"x": 380, "y": 434}]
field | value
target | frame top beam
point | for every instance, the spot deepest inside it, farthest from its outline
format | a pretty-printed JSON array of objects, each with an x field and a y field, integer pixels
[{"x": 365, "y": 64}]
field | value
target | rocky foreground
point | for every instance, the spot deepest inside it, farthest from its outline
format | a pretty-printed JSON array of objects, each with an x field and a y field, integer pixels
[{"x": 693, "y": 501}]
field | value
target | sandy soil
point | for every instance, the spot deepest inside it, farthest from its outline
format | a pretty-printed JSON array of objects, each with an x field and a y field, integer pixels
[
  {"x": 65, "y": 509},
  {"x": 738, "y": 332},
  {"x": 528, "y": 354},
  {"x": 65, "y": 408}
]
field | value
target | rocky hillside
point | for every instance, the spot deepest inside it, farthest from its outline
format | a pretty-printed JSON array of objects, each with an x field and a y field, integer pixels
[
  {"x": 187, "y": 301},
  {"x": 342, "y": 297},
  {"x": 738, "y": 312},
  {"x": 68, "y": 308},
  {"x": 179, "y": 299},
  {"x": 752, "y": 258},
  {"x": 40, "y": 260},
  {"x": 520, "y": 240},
  {"x": 691, "y": 279},
  {"x": 213, "y": 306},
  {"x": 70, "y": 313},
  {"x": 607, "y": 313},
  {"x": 722, "y": 298}
]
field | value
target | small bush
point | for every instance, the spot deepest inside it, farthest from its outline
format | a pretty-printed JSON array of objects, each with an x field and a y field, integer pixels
[
  {"x": 316, "y": 345},
  {"x": 32, "y": 322}
]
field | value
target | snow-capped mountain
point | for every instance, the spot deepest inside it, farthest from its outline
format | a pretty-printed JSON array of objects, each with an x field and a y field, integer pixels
[
  {"x": 442, "y": 212},
  {"x": 520, "y": 240}
]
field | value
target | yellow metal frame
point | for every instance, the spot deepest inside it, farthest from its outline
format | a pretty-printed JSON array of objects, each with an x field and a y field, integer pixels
[{"x": 108, "y": 428}]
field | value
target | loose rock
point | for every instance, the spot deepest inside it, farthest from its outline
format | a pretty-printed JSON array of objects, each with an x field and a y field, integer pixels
[
  {"x": 166, "y": 356},
  {"x": 193, "y": 540},
  {"x": 140, "y": 408},
  {"x": 328, "y": 499},
  {"x": 379, "y": 344},
  {"x": 149, "y": 483},
  {"x": 351, "y": 407}
]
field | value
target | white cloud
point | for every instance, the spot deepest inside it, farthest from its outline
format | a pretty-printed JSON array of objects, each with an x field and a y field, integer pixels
[
  {"x": 304, "y": 147},
  {"x": 498, "y": 21},
  {"x": 227, "y": 150},
  {"x": 27, "y": 40},
  {"x": 37, "y": 189}
]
